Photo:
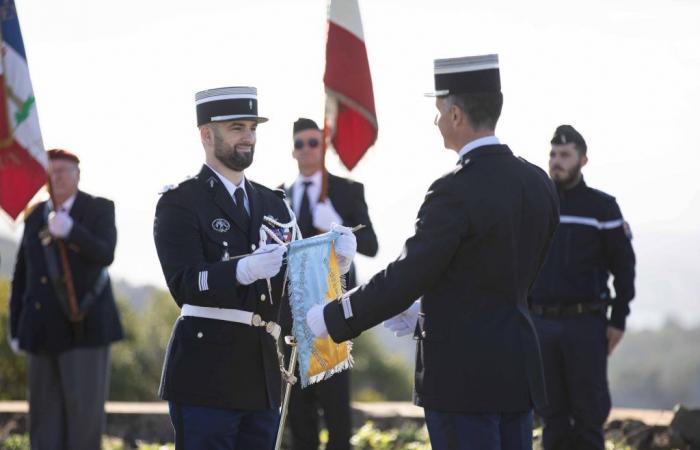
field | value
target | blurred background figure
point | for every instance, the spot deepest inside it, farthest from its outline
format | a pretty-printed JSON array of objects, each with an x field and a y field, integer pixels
[
  {"x": 570, "y": 300},
  {"x": 68, "y": 351},
  {"x": 345, "y": 205}
]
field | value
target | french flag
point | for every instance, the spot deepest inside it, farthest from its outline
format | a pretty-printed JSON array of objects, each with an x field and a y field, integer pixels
[
  {"x": 351, "y": 120},
  {"x": 23, "y": 161}
]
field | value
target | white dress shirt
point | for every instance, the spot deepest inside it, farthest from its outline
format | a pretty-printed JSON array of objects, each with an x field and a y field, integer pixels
[
  {"x": 67, "y": 205},
  {"x": 487, "y": 140},
  {"x": 231, "y": 188},
  {"x": 314, "y": 191}
]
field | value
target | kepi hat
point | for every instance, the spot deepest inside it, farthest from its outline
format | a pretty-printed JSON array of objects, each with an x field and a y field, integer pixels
[
  {"x": 466, "y": 75},
  {"x": 227, "y": 103}
]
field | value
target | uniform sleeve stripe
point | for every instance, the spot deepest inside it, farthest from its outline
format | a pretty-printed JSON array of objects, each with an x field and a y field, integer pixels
[
  {"x": 592, "y": 222},
  {"x": 347, "y": 307},
  {"x": 203, "y": 281}
]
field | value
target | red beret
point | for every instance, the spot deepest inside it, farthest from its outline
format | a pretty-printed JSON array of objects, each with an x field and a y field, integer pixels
[{"x": 58, "y": 153}]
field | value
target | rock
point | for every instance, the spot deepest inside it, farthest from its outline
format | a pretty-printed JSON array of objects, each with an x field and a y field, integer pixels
[{"x": 686, "y": 424}]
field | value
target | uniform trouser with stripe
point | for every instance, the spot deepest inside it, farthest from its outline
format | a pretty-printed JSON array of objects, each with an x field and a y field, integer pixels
[
  {"x": 67, "y": 392},
  {"x": 574, "y": 356}
]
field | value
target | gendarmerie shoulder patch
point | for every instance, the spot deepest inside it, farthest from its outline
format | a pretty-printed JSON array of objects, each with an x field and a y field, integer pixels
[
  {"x": 172, "y": 187},
  {"x": 627, "y": 229},
  {"x": 461, "y": 165},
  {"x": 280, "y": 193}
]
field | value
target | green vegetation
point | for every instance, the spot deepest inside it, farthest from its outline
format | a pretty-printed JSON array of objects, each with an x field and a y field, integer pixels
[
  {"x": 409, "y": 437},
  {"x": 369, "y": 437},
  {"x": 657, "y": 368},
  {"x": 378, "y": 375},
  {"x": 13, "y": 369},
  {"x": 137, "y": 360},
  {"x": 21, "y": 442}
]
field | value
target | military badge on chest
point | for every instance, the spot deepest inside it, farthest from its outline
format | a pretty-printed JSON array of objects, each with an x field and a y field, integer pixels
[{"x": 221, "y": 225}]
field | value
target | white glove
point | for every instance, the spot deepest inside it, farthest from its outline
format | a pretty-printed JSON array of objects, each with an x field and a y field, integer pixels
[
  {"x": 404, "y": 323},
  {"x": 345, "y": 247},
  {"x": 265, "y": 262},
  {"x": 325, "y": 216},
  {"x": 14, "y": 345},
  {"x": 60, "y": 224},
  {"x": 316, "y": 322}
]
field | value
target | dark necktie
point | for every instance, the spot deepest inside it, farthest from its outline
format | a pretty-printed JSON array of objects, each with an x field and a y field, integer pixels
[
  {"x": 306, "y": 222},
  {"x": 239, "y": 196}
]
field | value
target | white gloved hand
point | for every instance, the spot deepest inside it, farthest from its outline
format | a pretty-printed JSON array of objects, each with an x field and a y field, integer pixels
[
  {"x": 14, "y": 345},
  {"x": 345, "y": 247},
  {"x": 265, "y": 262},
  {"x": 325, "y": 216},
  {"x": 316, "y": 322},
  {"x": 404, "y": 323},
  {"x": 60, "y": 224}
]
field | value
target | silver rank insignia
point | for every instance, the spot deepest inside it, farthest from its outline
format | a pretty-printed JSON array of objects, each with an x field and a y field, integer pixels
[
  {"x": 221, "y": 225},
  {"x": 225, "y": 256}
]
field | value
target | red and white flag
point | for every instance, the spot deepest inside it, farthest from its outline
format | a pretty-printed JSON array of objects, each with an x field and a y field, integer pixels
[
  {"x": 351, "y": 121},
  {"x": 23, "y": 160}
]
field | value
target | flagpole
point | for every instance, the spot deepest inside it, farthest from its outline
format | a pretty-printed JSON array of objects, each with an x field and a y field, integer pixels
[
  {"x": 290, "y": 379},
  {"x": 324, "y": 172},
  {"x": 67, "y": 274}
]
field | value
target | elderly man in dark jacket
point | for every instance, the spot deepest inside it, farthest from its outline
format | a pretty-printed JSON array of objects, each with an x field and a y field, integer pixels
[{"x": 67, "y": 349}]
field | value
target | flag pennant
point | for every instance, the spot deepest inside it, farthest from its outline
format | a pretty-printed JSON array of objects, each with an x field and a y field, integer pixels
[
  {"x": 314, "y": 278},
  {"x": 351, "y": 120},
  {"x": 23, "y": 160}
]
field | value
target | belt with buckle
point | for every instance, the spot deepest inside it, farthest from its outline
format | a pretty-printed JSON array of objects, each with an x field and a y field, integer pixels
[
  {"x": 232, "y": 315},
  {"x": 568, "y": 310}
]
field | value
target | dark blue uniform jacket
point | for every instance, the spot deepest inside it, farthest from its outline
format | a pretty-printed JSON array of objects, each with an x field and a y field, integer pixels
[
  {"x": 591, "y": 242},
  {"x": 481, "y": 236},
  {"x": 211, "y": 362}
]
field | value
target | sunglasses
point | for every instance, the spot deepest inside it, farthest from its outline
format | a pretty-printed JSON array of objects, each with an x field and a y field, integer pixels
[{"x": 312, "y": 143}]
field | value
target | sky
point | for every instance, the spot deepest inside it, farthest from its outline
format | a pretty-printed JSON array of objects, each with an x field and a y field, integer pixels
[{"x": 115, "y": 83}]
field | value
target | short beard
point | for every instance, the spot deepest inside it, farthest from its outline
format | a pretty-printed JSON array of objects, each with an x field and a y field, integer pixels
[
  {"x": 229, "y": 156},
  {"x": 570, "y": 179}
]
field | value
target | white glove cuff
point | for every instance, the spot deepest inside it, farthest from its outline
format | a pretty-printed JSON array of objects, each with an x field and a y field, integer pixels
[
  {"x": 344, "y": 264},
  {"x": 316, "y": 321},
  {"x": 243, "y": 273}
]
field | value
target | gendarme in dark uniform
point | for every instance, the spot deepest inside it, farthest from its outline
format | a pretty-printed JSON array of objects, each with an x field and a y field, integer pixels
[
  {"x": 481, "y": 235},
  {"x": 571, "y": 298},
  {"x": 221, "y": 373}
]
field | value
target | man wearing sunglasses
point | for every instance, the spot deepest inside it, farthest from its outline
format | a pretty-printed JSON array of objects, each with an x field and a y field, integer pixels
[{"x": 345, "y": 205}]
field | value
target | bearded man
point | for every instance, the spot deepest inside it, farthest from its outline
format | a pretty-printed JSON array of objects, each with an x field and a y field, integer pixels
[
  {"x": 570, "y": 300},
  {"x": 221, "y": 375}
]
